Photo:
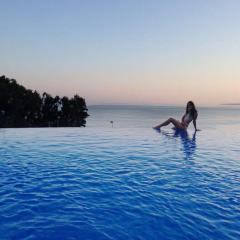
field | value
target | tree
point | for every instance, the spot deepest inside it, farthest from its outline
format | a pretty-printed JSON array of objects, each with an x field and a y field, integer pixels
[{"x": 21, "y": 107}]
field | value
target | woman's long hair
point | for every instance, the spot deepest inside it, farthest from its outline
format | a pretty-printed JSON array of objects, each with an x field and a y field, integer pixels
[{"x": 193, "y": 111}]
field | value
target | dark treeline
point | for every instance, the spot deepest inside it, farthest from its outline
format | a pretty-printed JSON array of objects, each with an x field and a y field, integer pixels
[{"x": 21, "y": 107}]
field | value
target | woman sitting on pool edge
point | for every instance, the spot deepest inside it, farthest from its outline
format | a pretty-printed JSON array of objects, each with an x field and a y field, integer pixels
[{"x": 191, "y": 114}]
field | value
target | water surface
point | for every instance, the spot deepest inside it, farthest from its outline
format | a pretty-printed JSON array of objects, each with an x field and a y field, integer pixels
[{"x": 125, "y": 182}]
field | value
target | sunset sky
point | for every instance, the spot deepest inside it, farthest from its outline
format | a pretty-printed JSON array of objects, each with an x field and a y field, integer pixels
[{"x": 124, "y": 52}]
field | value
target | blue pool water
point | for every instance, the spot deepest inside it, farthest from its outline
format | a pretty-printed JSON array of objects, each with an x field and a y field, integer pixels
[{"x": 125, "y": 182}]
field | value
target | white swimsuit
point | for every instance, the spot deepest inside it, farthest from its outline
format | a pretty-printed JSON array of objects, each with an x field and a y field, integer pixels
[{"x": 187, "y": 119}]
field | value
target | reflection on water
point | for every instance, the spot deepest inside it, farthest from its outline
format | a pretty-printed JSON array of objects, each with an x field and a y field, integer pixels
[{"x": 188, "y": 141}]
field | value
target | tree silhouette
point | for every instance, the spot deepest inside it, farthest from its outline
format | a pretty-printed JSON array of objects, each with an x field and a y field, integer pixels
[{"x": 21, "y": 107}]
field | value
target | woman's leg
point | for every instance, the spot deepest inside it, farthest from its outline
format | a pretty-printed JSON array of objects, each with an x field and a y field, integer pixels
[{"x": 175, "y": 122}]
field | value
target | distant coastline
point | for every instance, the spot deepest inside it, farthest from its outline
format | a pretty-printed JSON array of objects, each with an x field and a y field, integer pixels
[{"x": 231, "y": 104}]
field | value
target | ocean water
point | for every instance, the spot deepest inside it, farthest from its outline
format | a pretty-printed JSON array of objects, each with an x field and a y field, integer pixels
[{"x": 125, "y": 181}]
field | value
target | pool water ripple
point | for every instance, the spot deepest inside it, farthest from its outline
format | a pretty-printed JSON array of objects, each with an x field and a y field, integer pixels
[{"x": 126, "y": 183}]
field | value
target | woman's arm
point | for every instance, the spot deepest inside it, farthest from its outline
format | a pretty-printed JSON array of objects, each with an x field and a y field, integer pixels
[{"x": 195, "y": 122}]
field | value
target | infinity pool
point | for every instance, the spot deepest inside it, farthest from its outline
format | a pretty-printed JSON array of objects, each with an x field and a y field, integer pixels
[{"x": 120, "y": 183}]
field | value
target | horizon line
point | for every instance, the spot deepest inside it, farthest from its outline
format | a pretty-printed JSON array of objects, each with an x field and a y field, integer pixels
[{"x": 151, "y": 105}]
